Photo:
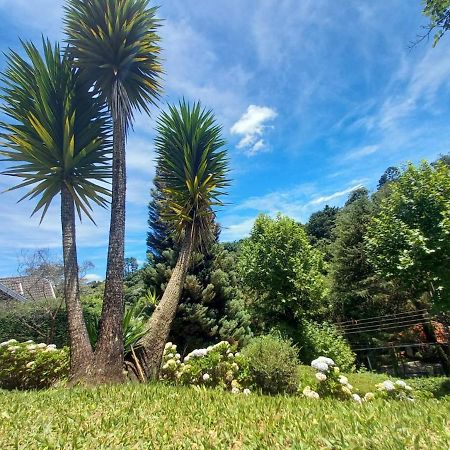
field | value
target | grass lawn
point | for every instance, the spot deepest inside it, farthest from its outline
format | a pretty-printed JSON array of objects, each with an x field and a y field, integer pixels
[{"x": 159, "y": 416}]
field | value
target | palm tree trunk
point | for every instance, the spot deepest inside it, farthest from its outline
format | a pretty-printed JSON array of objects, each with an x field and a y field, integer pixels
[
  {"x": 81, "y": 354},
  {"x": 159, "y": 324},
  {"x": 109, "y": 353}
]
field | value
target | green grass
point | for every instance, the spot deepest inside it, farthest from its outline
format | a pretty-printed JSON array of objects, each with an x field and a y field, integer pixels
[{"x": 159, "y": 416}]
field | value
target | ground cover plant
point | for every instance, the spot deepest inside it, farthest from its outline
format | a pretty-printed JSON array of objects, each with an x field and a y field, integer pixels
[{"x": 140, "y": 416}]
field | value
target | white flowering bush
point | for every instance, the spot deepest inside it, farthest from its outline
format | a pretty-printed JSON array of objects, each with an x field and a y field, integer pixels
[
  {"x": 397, "y": 390},
  {"x": 218, "y": 366},
  {"x": 27, "y": 365}
]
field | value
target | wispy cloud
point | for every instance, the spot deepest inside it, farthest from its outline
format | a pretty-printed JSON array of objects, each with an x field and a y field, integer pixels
[
  {"x": 251, "y": 127},
  {"x": 361, "y": 152}
]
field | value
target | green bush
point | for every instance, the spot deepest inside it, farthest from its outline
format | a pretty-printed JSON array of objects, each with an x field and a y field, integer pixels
[
  {"x": 436, "y": 386},
  {"x": 40, "y": 321},
  {"x": 324, "y": 339},
  {"x": 272, "y": 364},
  {"x": 26, "y": 365}
]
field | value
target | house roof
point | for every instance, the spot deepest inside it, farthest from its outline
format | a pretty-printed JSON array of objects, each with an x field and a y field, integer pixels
[{"x": 26, "y": 288}]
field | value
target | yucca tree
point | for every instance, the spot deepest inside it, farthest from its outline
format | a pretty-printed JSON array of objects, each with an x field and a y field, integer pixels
[
  {"x": 192, "y": 169},
  {"x": 58, "y": 143},
  {"x": 115, "y": 45}
]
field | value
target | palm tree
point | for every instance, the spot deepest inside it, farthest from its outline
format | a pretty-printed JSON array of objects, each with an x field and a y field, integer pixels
[
  {"x": 192, "y": 173},
  {"x": 58, "y": 142},
  {"x": 115, "y": 45}
]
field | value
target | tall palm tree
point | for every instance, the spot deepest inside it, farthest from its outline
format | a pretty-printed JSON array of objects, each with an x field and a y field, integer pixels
[
  {"x": 192, "y": 171},
  {"x": 115, "y": 45},
  {"x": 58, "y": 142}
]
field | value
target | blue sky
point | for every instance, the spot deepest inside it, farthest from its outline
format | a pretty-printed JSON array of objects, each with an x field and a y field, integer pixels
[{"x": 316, "y": 98}]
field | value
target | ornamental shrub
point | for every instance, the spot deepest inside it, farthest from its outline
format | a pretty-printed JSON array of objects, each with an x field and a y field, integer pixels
[
  {"x": 272, "y": 364},
  {"x": 218, "y": 366},
  {"x": 319, "y": 339},
  {"x": 26, "y": 365}
]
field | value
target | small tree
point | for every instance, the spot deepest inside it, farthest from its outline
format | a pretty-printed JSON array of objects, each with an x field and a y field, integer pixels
[{"x": 283, "y": 272}]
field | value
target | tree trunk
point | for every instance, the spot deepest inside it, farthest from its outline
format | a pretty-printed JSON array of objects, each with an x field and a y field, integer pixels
[
  {"x": 81, "y": 354},
  {"x": 109, "y": 353},
  {"x": 159, "y": 324}
]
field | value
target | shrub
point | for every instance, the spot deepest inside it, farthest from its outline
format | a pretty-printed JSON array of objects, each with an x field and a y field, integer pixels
[
  {"x": 436, "y": 386},
  {"x": 28, "y": 365},
  {"x": 397, "y": 390},
  {"x": 272, "y": 364},
  {"x": 319, "y": 339},
  {"x": 217, "y": 366}
]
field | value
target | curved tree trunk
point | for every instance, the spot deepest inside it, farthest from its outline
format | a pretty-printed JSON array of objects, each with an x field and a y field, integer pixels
[
  {"x": 109, "y": 352},
  {"x": 81, "y": 354},
  {"x": 159, "y": 324}
]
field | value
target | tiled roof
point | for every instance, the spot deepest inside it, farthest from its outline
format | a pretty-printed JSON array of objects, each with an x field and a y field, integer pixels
[{"x": 28, "y": 288}]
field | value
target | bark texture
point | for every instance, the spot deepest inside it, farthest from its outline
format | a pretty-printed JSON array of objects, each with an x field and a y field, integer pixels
[
  {"x": 81, "y": 354},
  {"x": 159, "y": 324},
  {"x": 109, "y": 353}
]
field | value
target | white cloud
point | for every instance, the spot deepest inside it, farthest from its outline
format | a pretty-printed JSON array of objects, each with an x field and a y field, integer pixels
[
  {"x": 251, "y": 127},
  {"x": 92, "y": 277},
  {"x": 334, "y": 196},
  {"x": 360, "y": 152}
]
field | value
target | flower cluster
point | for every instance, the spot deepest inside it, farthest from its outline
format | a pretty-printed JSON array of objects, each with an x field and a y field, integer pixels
[
  {"x": 330, "y": 382},
  {"x": 216, "y": 366},
  {"x": 398, "y": 390},
  {"x": 27, "y": 365}
]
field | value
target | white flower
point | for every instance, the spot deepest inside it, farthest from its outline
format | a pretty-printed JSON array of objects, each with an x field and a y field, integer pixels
[
  {"x": 343, "y": 380},
  {"x": 401, "y": 383},
  {"x": 246, "y": 391},
  {"x": 408, "y": 388},
  {"x": 41, "y": 345},
  {"x": 31, "y": 347},
  {"x": 388, "y": 385},
  {"x": 165, "y": 367},
  {"x": 11, "y": 341},
  {"x": 237, "y": 354},
  {"x": 234, "y": 366},
  {"x": 369, "y": 396},
  {"x": 205, "y": 377},
  {"x": 357, "y": 398},
  {"x": 349, "y": 386},
  {"x": 309, "y": 393},
  {"x": 29, "y": 342},
  {"x": 178, "y": 356},
  {"x": 51, "y": 346},
  {"x": 30, "y": 364},
  {"x": 327, "y": 361},
  {"x": 235, "y": 390},
  {"x": 320, "y": 366},
  {"x": 186, "y": 359},
  {"x": 321, "y": 376},
  {"x": 13, "y": 348},
  {"x": 230, "y": 355},
  {"x": 50, "y": 349},
  {"x": 346, "y": 390},
  {"x": 168, "y": 345}
]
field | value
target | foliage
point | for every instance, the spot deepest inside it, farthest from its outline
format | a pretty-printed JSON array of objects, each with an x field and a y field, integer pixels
[
  {"x": 438, "y": 12},
  {"x": 40, "y": 321},
  {"x": 116, "y": 46},
  {"x": 409, "y": 239},
  {"x": 390, "y": 174},
  {"x": 397, "y": 390},
  {"x": 192, "y": 169},
  {"x": 108, "y": 417},
  {"x": 436, "y": 386},
  {"x": 218, "y": 366},
  {"x": 59, "y": 135},
  {"x": 318, "y": 339},
  {"x": 272, "y": 364},
  {"x": 26, "y": 365},
  {"x": 131, "y": 266},
  {"x": 282, "y": 271},
  {"x": 134, "y": 325}
]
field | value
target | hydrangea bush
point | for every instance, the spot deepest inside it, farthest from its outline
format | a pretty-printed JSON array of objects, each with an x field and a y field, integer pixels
[
  {"x": 27, "y": 365},
  {"x": 397, "y": 390},
  {"x": 331, "y": 383},
  {"x": 218, "y": 366}
]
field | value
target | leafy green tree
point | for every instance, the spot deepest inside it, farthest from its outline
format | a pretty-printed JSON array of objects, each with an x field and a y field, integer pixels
[
  {"x": 58, "y": 142},
  {"x": 192, "y": 173},
  {"x": 319, "y": 229},
  {"x": 390, "y": 174},
  {"x": 283, "y": 273},
  {"x": 115, "y": 46},
  {"x": 409, "y": 238},
  {"x": 131, "y": 266},
  {"x": 438, "y": 11}
]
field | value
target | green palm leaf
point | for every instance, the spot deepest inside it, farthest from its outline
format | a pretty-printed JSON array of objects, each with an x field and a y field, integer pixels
[
  {"x": 115, "y": 44},
  {"x": 58, "y": 133},
  {"x": 192, "y": 168}
]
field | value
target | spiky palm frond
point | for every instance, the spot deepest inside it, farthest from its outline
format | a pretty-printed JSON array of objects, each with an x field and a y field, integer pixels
[
  {"x": 58, "y": 134},
  {"x": 192, "y": 168},
  {"x": 115, "y": 44}
]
